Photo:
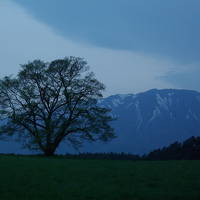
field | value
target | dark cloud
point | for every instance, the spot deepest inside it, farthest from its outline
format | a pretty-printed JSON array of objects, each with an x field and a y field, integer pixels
[
  {"x": 23, "y": 39},
  {"x": 169, "y": 28}
]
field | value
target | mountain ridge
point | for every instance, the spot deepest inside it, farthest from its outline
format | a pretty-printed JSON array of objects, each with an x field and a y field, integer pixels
[
  {"x": 157, "y": 116},
  {"x": 144, "y": 122}
]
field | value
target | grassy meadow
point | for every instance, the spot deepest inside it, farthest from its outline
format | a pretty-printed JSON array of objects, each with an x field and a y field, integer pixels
[{"x": 40, "y": 178}]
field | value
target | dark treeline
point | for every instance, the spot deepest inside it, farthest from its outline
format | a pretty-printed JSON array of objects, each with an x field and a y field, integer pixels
[
  {"x": 109, "y": 156},
  {"x": 187, "y": 150}
]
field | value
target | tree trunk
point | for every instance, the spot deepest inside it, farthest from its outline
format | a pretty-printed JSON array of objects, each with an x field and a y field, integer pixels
[{"x": 49, "y": 151}]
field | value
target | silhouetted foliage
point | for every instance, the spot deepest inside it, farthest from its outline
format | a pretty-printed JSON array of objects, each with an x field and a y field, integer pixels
[
  {"x": 47, "y": 103},
  {"x": 187, "y": 150}
]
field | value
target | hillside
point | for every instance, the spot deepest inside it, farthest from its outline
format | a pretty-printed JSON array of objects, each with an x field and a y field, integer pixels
[
  {"x": 144, "y": 122},
  {"x": 152, "y": 119}
]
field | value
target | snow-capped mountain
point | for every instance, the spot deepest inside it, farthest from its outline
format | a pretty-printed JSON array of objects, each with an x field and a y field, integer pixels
[
  {"x": 152, "y": 119},
  {"x": 144, "y": 121}
]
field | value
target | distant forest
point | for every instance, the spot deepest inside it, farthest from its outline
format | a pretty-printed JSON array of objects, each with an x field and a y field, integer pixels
[{"x": 187, "y": 150}]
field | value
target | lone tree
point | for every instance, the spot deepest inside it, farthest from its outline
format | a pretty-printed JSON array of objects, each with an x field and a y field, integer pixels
[{"x": 47, "y": 103}]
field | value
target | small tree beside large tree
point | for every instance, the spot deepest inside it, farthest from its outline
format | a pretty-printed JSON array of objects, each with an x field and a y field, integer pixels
[{"x": 47, "y": 103}]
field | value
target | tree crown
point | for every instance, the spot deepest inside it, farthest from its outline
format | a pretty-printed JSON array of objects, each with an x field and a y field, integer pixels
[{"x": 49, "y": 102}]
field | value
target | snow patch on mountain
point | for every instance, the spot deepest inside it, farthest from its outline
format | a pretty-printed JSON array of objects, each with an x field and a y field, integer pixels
[
  {"x": 124, "y": 96},
  {"x": 156, "y": 113},
  {"x": 170, "y": 94},
  {"x": 163, "y": 102},
  {"x": 116, "y": 102}
]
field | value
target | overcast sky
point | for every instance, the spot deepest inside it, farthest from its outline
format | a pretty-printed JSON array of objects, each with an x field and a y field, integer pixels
[{"x": 131, "y": 45}]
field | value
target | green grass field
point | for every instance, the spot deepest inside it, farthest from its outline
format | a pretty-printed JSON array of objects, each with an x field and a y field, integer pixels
[{"x": 39, "y": 178}]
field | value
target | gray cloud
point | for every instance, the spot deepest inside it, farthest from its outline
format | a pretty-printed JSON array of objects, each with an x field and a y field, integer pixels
[
  {"x": 167, "y": 28},
  {"x": 23, "y": 38}
]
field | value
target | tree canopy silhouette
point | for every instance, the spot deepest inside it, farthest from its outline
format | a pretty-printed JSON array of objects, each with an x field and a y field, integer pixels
[
  {"x": 186, "y": 150},
  {"x": 47, "y": 103}
]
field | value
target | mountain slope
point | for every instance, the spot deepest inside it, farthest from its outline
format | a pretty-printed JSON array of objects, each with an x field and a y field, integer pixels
[
  {"x": 152, "y": 119},
  {"x": 144, "y": 122}
]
